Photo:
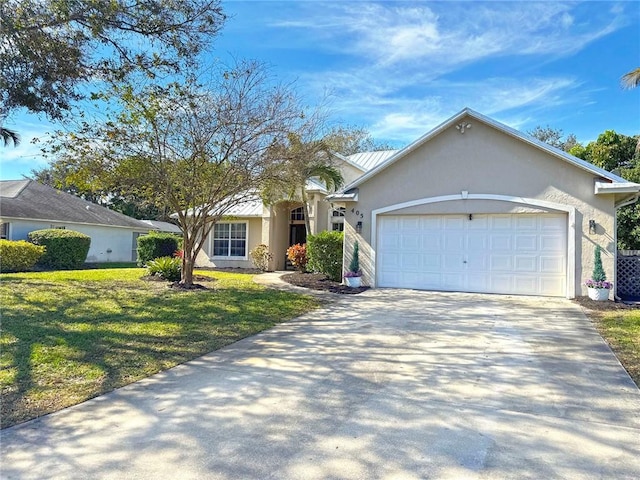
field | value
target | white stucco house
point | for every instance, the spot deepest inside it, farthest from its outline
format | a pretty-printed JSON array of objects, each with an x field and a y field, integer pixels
[
  {"x": 473, "y": 205},
  {"x": 476, "y": 206},
  {"x": 26, "y": 205}
]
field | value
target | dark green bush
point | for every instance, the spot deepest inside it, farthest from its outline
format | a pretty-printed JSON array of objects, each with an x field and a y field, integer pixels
[
  {"x": 66, "y": 249},
  {"x": 165, "y": 267},
  {"x": 18, "y": 256},
  {"x": 156, "y": 245},
  {"x": 325, "y": 254}
]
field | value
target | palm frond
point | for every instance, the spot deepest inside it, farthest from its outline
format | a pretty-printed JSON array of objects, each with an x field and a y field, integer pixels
[
  {"x": 9, "y": 136},
  {"x": 631, "y": 79}
]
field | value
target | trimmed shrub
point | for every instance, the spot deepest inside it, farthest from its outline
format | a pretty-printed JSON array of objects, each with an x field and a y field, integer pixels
[
  {"x": 598, "y": 271},
  {"x": 260, "y": 256},
  {"x": 325, "y": 254},
  {"x": 354, "y": 265},
  {"x": 156, "y": 245},
  {"x": 19, "y": 256},
  {"x": 165, "y": 267},
  {"x": 297, "y": 255},
  {"x": 66, "y": 249}
]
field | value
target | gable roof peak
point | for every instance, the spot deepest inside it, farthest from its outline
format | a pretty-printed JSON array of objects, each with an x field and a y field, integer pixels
[{"x": 468, "y": 112}]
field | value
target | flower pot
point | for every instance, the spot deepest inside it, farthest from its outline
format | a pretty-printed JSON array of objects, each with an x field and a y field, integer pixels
[
  {"x": 353, "y": 282},
  {"x": 598, "y": 294}
]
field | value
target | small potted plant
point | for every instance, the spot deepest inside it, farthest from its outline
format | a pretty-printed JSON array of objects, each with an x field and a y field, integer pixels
[
  {"x": 354, "y": 276},
  {"x": 597, "y": 286}
]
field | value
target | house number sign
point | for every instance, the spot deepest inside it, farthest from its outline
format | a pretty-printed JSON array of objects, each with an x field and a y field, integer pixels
[{"x": 357, "y": 213}]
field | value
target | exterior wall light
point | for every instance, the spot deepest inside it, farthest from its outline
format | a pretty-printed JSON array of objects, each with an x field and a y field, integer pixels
[
  {"x": 359, "y": 227},
  {"x": 592, "y": 227}
]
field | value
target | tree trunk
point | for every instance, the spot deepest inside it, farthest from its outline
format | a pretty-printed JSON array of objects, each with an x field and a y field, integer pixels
[
  {"x": 305, "y": 209},
  {"x": 188, "y": 262}
]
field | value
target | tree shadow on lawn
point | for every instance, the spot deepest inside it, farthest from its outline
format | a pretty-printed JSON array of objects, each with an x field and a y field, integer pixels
[{"x": 62, "y": 347}]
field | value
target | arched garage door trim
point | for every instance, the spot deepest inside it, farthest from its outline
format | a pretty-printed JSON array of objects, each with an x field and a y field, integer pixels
[{"x": 571, "y": 226}]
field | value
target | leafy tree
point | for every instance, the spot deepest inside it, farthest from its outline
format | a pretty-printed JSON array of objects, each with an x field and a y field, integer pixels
[
  {"x": 49, "y": 48},
  {"x": 611, "y": 151},
  {"x": 616, "y": 152},
  {"x": 199, "y": 151},
  {"x": 631, "y": 79},
  {"x": 302, "y": 161},
  {"x": 554, "y": 137},
  {"x": 350, "y": 140}
]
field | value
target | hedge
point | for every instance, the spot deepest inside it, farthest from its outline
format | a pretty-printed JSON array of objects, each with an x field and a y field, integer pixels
[
  {"x": 325, "y": 254},
  {"x": 156, "y": 245},
  {"x": 66, "y": 249},
  {"x": 19, "y": 256}
]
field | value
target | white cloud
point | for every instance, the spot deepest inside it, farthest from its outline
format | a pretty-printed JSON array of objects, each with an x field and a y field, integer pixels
[
  {"x": 402, "y": 63},
  {"x": 444, "y": 35}
]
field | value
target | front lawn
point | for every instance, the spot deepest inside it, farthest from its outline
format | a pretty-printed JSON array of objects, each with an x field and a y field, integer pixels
[{"x": 70, "y": 336}]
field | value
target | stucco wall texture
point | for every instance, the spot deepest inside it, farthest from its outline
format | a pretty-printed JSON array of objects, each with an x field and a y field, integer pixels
[{"x": 485, "y": 160}]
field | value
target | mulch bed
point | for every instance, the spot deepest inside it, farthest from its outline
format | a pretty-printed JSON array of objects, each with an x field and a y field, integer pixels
[
  {"x": 319, "y": 281},
  {"x": 178, "y": 286},
  {"x": 608, "y": 305}
]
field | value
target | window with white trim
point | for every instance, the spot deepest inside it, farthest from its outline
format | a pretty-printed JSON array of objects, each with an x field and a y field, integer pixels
[
  {"x": 4, "y": 231},
  {"x": 337, "y": 219},
  {"x": 230, "y": 240},
  {"x": 297, "y": 214}
]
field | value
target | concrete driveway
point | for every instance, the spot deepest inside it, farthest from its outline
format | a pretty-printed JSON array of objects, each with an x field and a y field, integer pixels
[{"x": 388, "y": 384}]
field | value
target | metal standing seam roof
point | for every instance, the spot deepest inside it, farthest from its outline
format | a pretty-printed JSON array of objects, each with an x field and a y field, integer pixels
[
  {"x": 163, "y": 226},
  {"x": 28, "y": 199},
  {"x": 250, "y": 208},
  {"x": 369, "y": 160}
]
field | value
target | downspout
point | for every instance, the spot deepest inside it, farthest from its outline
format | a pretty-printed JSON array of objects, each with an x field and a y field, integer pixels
[{"x": 629, "y": 201}]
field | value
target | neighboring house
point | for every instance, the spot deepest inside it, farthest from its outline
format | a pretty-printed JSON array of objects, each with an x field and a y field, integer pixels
[
  {"x": 477, "y": 206},
  {"x": 26, "y": 205},
  {"x": 280, "y": 225}
]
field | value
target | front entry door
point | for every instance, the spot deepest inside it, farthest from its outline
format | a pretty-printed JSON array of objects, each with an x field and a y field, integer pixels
[{"x": 298, "y": 234}]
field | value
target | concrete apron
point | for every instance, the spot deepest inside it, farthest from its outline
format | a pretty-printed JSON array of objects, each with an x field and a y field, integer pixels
[{"x": 386, "y": 384}]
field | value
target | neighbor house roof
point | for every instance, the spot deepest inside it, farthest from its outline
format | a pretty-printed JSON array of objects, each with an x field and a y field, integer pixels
[
  {"x": 501, "y": 127},
  {"x": 30, "y": 200},
  {"x": 163, "y": 226}
]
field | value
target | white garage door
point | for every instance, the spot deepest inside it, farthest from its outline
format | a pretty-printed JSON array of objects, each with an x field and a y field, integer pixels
[{"x": 519, "y": 254}]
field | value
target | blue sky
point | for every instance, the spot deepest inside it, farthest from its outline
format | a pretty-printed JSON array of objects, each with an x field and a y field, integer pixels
[{"x": 399, "y": 69}]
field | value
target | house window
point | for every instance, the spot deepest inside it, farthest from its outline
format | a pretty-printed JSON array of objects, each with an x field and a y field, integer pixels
[
  {"x": 297, "y": 214},
  {"x": 230, "y": 240},
  {"x": 4, "y": 231},
  {"x": 337, "y": 219}
]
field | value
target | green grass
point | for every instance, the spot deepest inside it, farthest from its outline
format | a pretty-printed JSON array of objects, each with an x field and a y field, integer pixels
[
  {"x": 68, "y": 336},
  {"x": 621, "y": 330},
  {"x": 111, "y": 265}
]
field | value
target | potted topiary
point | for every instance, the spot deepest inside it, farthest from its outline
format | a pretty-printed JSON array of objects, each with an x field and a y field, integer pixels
[
  {"x": 354, "y": 276},
  {"x": 597, "y": 286}
]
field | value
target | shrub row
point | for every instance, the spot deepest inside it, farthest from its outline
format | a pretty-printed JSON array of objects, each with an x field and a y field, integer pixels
[
  {"x": 19, "y": 256},
  {"x": 65, "y": 249},
  {"x": 156, "y": 245}
]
